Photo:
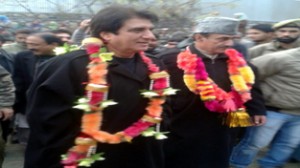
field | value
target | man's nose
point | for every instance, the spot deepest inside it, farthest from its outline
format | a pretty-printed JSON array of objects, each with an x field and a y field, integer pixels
[
  {"x": 148, "y": 34},
  {"x": 286, "y": 33}
]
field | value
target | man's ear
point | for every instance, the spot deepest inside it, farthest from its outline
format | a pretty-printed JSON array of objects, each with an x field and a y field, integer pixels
[
  {"x": 106, "y": 36},
  {"x": 198, "y": 37}
]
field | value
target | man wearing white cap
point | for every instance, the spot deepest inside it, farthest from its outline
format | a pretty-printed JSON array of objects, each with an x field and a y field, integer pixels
[{"x": 207, "y": 106}]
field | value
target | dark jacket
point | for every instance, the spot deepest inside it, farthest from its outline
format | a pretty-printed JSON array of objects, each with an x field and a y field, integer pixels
[
  {"x": 55, "y": 124},
  {"x": 198, "y": 137},
  {"x": 6, "y": 61},
  {"x": 25, "y": 64}
]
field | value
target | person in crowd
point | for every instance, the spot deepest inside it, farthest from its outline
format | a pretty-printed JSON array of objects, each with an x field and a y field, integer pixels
[
  {"x": 81, "y": 32},
  {"x": 286, "y": 35},
  {"x": 6, "y": 60},
  {"x": 242, "y": 29},
  {"x": 240, "y": 47},
  {"x": 40, "y": 46},
  {"x": 4, "y": 20},
  {"x": 154, "y": 46},
  {"x": 243, "y": 22},
  {"x": 19, "y": 44},
  {"x": 7, "y": 98},
  {"x": 64, "y": 35},
  {"x": 175, "y": 38},
  {"x": 11, "y": 50},
  {"x": 4, "y": 32},
  {"x": 120, "y": 74},
  {"x": 164, "y": 35},
  {"x": 279, "y": 76},
  {"x": 51, "y": 25},
  {"x": 36, "y": 25},
  {"x": 260, "y": 33},
  {"x": 206, "y": 106}
]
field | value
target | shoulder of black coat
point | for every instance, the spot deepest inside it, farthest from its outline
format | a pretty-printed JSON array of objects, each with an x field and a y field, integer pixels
[
  {"x": 23, "y": 54},
  {"x": 153, "y": 57},
  {"x": 71, "y": 56},
  {"x": 169, "y": 53}
]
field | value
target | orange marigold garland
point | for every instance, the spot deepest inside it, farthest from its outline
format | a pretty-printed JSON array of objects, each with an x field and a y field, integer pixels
[
  {"x": 95, "y": 100},
  {"x": 216, "y": 99}
]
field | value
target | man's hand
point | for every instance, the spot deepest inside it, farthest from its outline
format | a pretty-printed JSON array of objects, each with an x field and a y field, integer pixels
[
  {"x": 259, "y": 120},
  {"x": 6, "y": 113},
  {"x": 85, "y": 24}
]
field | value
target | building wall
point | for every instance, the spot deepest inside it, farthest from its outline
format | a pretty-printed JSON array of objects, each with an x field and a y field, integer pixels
[{"x": 262, "y": 10}]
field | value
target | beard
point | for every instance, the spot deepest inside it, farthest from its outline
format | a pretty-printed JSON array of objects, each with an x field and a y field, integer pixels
[{"x": 287, "y": 40}]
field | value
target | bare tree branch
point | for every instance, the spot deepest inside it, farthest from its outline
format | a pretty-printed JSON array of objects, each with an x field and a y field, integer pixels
[
  {"x": 19, "y": 2},
  {"x": 89, "y": 5}
]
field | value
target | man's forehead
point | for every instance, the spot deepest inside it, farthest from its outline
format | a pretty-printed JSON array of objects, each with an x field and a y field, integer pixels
[
  {"x": 138, "y": 22},
  {"x": 34, "y": 39}
]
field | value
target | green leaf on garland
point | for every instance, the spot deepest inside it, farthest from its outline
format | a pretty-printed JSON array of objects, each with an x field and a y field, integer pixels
[
  {"x": 106, "y": 56},
  {"x": 170, "y": 91},
  {"x": 83, "y": 104},
  {"x": 149, "y": 93},
  {"x": 149, "y": 132},
  {"x": 84, "y": 107},
  {"x": 87, "y": 162},
  {"x": 103, "y": 50},
  {"x": 59, "y": 50},
  {"x": 107, "y": 103},
  {"x": 160, "y": 135}
]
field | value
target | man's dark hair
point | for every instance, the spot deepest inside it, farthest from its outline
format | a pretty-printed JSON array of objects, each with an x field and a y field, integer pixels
[
  {"x": 23, "y": 31},
  {"x": 49, "y": 38},
  {"x": 267, "y": 28},
  {"x": 178, "y": 36},
  {"x": 62, "y": 31},
  {"x": 111, "y": 19}
]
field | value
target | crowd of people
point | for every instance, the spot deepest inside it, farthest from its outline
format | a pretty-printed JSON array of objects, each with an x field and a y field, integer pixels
[{"x": 119, "y": 94}]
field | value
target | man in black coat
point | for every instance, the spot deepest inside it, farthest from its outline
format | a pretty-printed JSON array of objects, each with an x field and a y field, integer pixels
[
  {"x": 198, "y": 137},
  {"x": 55, "y": 123},
  {"x": 40, "y": 46}
]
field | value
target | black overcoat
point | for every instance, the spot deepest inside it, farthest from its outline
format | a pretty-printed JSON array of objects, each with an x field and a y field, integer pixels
[
  {"x": 55, "y": 124},
  {"x": 25, "y": 64},
  {"x": 198, "y": 137},
  {"x": 23, "y": 75}
]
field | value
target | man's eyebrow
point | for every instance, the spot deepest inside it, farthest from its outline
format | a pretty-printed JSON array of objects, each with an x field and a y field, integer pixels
[{"x": 141, "y": 28}]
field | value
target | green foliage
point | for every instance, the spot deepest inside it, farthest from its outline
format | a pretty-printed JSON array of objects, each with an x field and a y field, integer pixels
[{"x": 87, "y": 162}]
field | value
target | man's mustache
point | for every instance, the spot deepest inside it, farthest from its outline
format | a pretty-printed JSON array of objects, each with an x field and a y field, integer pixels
[{"x": 33, "y": 50}]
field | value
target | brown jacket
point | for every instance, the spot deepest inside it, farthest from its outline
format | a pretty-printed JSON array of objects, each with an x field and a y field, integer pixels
[
  {"x": 7, "y": 95},
  {"x": 280, "y": 79},
  {"x": 267, "y": 48}
]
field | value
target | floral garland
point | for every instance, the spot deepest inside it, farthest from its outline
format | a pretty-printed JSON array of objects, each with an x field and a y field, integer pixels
[
  {"x": 65, "y": 49},
  {"x": 216, "y": 99},
  {"x": 95, "y": 100}
]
